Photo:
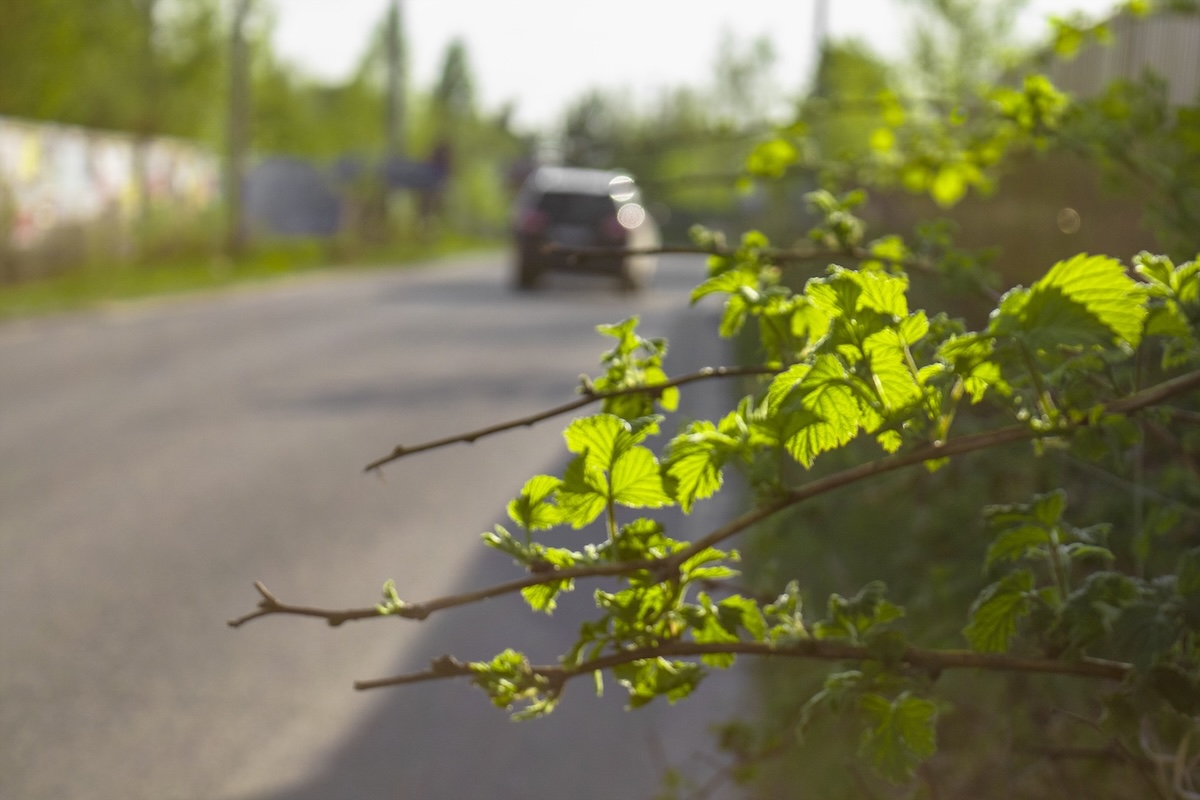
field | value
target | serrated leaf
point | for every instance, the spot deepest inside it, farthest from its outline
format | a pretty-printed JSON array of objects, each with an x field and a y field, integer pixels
[
  {"x": 624, "y": 332},
  {"x": 734, "y": 316},
  {"x": 727, "y": 283},
  {"x": 1143, "y": 632},
  {"x": 532, "y": 509},
  {"x": 857, "y": 616},
  {"x": 887, "y": 362},
  {"x": 890, "y": 441},
  {"x": 597, "y": 438},
  {"x": 583, "y": 495},
  {"x": 637, "y": 481},
  {"x": 902, "y": 734},
  {"x": 883, "y": 293},
  {"x": 1083, "y": 301},
  {"x": 651, "y": 678},
  {"x": 828, "y": 408},
  {"x": 913, "y": 328},
  {"x": 1078, "y": 551},
  {"x": 1048, "y": 508},
  {"x": 1014, "y": 543},
  {"x": 694, "y": 461},
  {"x": 748, "y": 615},
  {"x": 994, "y": 614},
  {"x": 543, "y": 596}
]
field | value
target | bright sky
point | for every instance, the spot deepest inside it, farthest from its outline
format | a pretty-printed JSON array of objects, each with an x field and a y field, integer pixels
[{"x": 543, "y": 53}]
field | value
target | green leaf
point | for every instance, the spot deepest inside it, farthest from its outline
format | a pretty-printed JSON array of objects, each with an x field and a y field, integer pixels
[
  {"x": 583, "y": 495},
  {"x": 949, "y": 185},
  {"x": 709, "y": 627},
  {"x": 1089, "y": 612},
  {"x": 597, "y": 438},
  {"x": 854, "y": 618},
  {"x": 1083, "y": 301},
  {"x": 695, "y": 458},
  {"x": 654, "y": 677},
  {"x": 637, "y": 481},
  {"x": 1014, "y": 543},
  {"x": 994, "y": 614},
  {"x": 747, "y": 613},
  {"x": 533, "y": 509},
  {"x": 772, "y": 158},
  {"x": 888, "y": 365},
  {"x": 542, "y": 596},
  {"x": 883, "y": 293},
  {"x": 625, "y": 333},
  {"x": 727, "y": 282},
  {"x": 825, "y": 411},
  {"x": 902, "y": 734},
  {"x": 913, "y": 328},
  {"x": 1048, "y": 508},
  {"x": 694, "y": 568},
  {"x": 644, "y": 538}
]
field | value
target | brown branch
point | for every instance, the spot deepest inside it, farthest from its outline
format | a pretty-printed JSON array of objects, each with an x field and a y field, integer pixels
[
  {"x": 770, "y": 253},
  {"x": 932, "y": 661},
  {"x": 419, "y": 611},
  {"x": 270, "y": 604},
  {"x": 589, "y": 396},
  {"x": 669, "y": 565}
]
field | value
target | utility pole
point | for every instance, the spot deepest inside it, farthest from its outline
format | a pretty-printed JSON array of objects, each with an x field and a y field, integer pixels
[
  {"x": 820, "y": 33},
  {"x": 394, "y": 110},
  {"x": 238, "y": 131}
]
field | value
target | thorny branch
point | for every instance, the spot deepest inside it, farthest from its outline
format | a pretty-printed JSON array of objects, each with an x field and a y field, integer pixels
[{"x": 590, "y": 395}]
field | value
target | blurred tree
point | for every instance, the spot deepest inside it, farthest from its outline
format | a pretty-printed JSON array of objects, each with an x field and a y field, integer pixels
[
  {"x": 594, "y": 131},
  {"x": 148, "y": 66},
  {"x": 843, "y": 109},
  {"x": 454, "y": 93},
  {"x": 745, "y": 91},
  {"x": 957, "y": 45}
]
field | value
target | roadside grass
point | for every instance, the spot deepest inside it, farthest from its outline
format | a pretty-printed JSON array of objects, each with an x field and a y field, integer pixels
[{"x": 96, "y": 283}]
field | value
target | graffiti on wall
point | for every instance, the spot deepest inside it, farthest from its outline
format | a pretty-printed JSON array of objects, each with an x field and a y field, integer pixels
[{"x": 53, "y": 175}]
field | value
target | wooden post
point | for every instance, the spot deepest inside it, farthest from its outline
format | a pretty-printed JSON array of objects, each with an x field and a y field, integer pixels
[{"x": 238, "y": 130}]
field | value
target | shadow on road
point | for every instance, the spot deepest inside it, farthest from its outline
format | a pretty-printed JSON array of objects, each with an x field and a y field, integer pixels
[{"x": 444, "y": 741}]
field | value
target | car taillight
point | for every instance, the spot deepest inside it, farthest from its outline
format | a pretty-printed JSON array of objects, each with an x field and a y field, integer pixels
[
  {"x": 612, "y": 229},
  {"x": 532, "y": 221}
]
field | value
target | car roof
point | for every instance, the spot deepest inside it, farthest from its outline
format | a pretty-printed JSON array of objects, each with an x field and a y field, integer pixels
[{"x": 575, "y": 180}]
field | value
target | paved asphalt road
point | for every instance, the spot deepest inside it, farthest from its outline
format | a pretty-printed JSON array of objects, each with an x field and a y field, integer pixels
[{"x": 157, "y": 458}]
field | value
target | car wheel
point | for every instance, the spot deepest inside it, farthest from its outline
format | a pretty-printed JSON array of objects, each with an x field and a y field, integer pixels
[
  {"x": 635, "y": 275},
  {"x": 527, "y": 276}
]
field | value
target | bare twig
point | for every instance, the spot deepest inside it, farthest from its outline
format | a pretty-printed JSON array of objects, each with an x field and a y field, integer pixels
[
  {"x": 812, "y": 649},
  {"x": 419, "y": 611},
  {"x": 270, "y": 604},
  {"x": 589, "y": 396}
]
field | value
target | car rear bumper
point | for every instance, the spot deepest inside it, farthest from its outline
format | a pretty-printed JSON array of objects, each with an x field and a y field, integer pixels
[{"x": 549, "y": 258}]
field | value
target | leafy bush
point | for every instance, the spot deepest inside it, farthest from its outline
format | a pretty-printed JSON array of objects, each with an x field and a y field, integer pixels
[{"x": 855, "y": 389}]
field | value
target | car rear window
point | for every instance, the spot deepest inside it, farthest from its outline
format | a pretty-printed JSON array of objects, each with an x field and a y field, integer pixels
[{"x": 575, "y": 209}]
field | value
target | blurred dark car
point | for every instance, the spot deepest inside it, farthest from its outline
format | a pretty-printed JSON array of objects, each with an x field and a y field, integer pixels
[{"x": 570, "y": 207}]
